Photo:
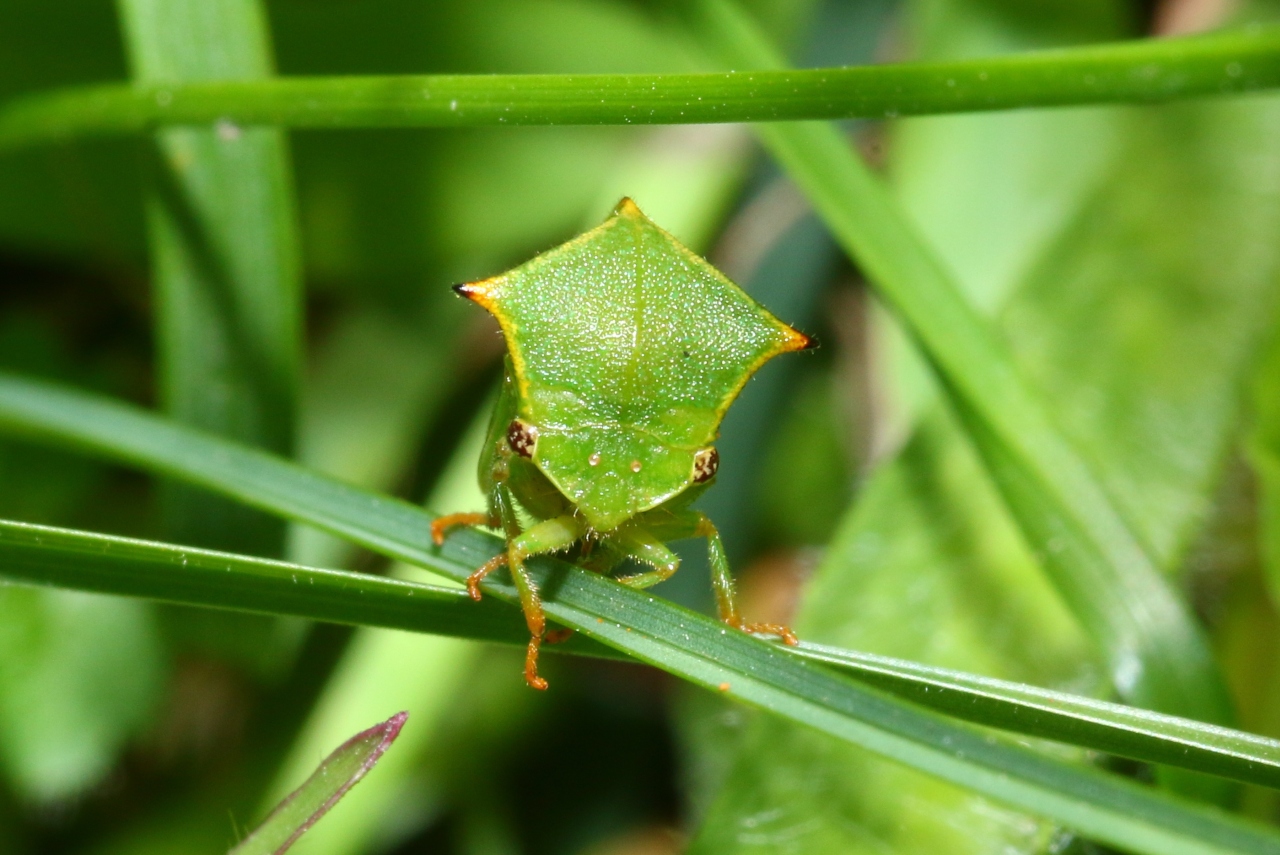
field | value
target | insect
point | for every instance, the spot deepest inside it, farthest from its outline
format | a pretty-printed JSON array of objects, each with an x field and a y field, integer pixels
[{"x": 624, "y": 350}]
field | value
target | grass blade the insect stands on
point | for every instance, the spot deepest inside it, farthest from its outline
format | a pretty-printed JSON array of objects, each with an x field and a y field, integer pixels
[
  {"x": 41, "y": 555},
  {"x": 694, "y": 647}
]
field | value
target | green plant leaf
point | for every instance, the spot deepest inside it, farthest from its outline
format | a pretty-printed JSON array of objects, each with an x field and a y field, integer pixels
[
  {"x": 1104, "y": 570},
  {"x": 337, "y": 774},
  {"x": 191, "y": 576},
  {"x": 1145, "y": 71},
  {"x": 689, "y": 645}
]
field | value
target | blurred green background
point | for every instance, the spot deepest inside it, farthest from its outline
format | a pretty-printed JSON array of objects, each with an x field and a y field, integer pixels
[{"x": 1129, "y": 256}]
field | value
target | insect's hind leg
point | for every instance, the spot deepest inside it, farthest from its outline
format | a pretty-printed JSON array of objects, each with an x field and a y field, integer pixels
[
  {"x": 695, "y": 524},
  {"x": 553, "y": 535},
  {"x": 644, "y": 546}
]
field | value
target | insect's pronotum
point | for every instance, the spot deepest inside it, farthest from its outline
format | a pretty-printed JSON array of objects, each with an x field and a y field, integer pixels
[{"x": 624, "y": 350}]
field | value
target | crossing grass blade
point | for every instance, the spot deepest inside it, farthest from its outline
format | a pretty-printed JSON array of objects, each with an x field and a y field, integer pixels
[
  {"x": 696, "y": 648},
  {"x": 84, "y": 561},
  {"x": 1150, "y": 70}
]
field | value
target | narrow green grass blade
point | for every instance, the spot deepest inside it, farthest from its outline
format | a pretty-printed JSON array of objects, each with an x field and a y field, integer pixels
[
  {"x": 1072, "y": 719},
  {"x": 337, "y": 774},
  {"x": 697, "y": 648},
  {"x": 85, "y": 561},
  {"x": 224, "y": 253},
  {"x": 1156, "y": 653},
  {"x": 189, "y": 576},
  {"x": 1143, "y": 71}
]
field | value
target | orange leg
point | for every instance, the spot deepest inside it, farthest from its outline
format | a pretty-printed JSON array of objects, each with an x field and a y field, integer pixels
[
  {"x": 473, "y": 581},
  {"x": 531, "y": 665},
  {"x": 534, "y": 617},
  {"x": 536, "y": 620},
  {"x": 552, "y": 535},
  {"x": 726, "y": 597},
  {"x": 783, "y": 632},
  {"x": 441, "y": 525}
]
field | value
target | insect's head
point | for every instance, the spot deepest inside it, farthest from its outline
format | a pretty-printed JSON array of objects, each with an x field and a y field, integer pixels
[
  {"x": 612, "y": 473},
  {"x": 522, "y": 439}
]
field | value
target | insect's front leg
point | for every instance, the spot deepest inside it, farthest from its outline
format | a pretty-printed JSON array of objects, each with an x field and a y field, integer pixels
[
  {"x": 553, "y": 535},
  {"x": 493, "y": 468},
  {"x": 501, "y": 512},
  {"x": 440, "y": 525}
]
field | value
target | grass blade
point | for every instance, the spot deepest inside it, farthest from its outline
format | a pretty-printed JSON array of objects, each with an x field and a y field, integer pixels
[
  {"x": 337, "y": 774},
  {"x": 225, "y": 261},
  {"x": 1156, "y": 653},
  {"x": 199, "y": 577},
  {"x": 691, "y": 646},
  {"x": 94, "y": 562},
  {"x": 1142, "y": 71},
  {"x": 1073, "y": 719}
]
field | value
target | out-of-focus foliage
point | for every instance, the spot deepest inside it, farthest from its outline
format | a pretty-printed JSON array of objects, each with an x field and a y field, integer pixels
[
  {"x": 1114, "y": 228},
  {"x": 1127, "y": 256}
]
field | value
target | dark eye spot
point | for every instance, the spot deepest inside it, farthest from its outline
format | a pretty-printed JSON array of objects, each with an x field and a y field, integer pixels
[
  {"x": 522, "y": 438},
  {"x": 705, "y": 465},
  {"x": 685, "y": 354}
]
